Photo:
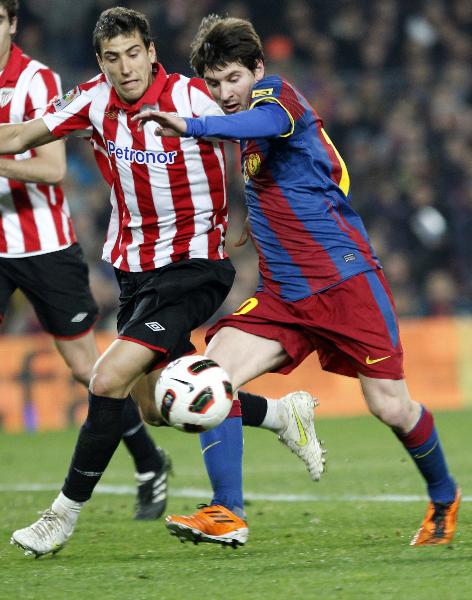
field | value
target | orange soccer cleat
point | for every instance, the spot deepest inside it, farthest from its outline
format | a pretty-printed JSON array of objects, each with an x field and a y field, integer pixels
[
  {"x": 215, "y": 524},
  {"x": 439, "y": 525}
]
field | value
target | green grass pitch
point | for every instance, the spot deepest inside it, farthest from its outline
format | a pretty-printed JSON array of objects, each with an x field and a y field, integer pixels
[{"x": 346, "y": 536}]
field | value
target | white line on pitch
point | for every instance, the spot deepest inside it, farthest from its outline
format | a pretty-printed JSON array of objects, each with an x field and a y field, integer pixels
[{"x": 121, "y": 490}]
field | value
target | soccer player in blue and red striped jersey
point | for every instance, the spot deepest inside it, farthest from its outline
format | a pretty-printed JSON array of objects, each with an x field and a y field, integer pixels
[{"x": 321, "y": 286}]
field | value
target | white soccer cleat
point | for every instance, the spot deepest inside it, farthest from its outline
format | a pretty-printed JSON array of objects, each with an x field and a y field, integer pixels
[
  {"x": 47, "y": 535},
  {"x": 297, "y": 412}
]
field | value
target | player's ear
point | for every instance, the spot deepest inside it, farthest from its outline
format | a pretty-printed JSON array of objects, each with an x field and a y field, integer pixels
[
  {"x": 259, "y": 71},
  {"x": 13, "y": 24},
  {"x": 152, "y": 52}
]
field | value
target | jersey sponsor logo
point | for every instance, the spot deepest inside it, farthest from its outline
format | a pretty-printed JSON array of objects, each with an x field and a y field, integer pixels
[
  {"x": 349, "y": 257},
  {"x": 252, "y": 166},
  {"x": 247, "y": 306},
  {"x": 155, "y": 326},
  {"x": 260, "y": 93},
  {"x": 66, "y": 99},
  {"x": 6, "y": 94},
  {"x": 148, "y": 157},
  {"x": 79, "y": 317},
  {"x": 372, "y": 361}
]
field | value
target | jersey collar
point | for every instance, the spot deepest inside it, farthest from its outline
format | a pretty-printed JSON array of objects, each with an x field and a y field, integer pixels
[
  {"x": 150, "y": 96},
  {"x": 12, "y": 69}
]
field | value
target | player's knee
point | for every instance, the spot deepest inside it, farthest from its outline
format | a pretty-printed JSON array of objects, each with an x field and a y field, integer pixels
[
  {"x": 81, "y": 373},
  {"x": 388, "y": 413},
  {"x": 103, "y": 383},
  {"x": 394, "y": 411}
]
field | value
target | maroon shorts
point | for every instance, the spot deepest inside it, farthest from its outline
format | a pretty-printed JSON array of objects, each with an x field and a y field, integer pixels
[{"x": 352, "y": 326}]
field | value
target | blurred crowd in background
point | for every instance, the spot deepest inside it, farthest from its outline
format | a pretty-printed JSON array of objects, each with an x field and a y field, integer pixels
[{"x": 391, "y": 80}]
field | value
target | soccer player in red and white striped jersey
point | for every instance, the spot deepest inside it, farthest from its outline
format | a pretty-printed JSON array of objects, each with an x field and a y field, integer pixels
[
  {"x": 168, "y": 198},
  {"x": 165, "y": 240},
  {"x": 39, "y": 253}
]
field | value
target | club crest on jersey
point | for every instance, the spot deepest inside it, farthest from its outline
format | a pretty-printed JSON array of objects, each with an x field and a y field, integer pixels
[
  {"x": 148, "y": 157},
  {"x": 252, "y": 166},
  {"x": 66, "y": 99},
  {"x": 6, "y": 94}
]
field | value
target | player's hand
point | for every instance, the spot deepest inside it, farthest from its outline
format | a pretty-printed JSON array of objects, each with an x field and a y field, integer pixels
[{"x": 169, "y": 124}]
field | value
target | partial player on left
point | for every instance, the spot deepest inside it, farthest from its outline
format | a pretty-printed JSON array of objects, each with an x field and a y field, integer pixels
[{"x": 39, "y": 253}]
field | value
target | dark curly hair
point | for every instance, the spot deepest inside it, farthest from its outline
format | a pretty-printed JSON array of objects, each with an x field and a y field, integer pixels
[
  {"x": 220, "y": 41},
  {"x": 120, "y": 21}
]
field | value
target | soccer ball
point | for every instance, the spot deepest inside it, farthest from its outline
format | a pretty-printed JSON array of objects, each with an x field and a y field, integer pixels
[{"x": 193, "y": 394}]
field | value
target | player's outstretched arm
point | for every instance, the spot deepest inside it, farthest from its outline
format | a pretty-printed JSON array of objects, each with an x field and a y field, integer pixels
[
  {"x": 19, "y": 137},
  {"x": 169, "y": 124},
  {"x": 268, "y": 120},
  {"x": 48, "y": 166}
]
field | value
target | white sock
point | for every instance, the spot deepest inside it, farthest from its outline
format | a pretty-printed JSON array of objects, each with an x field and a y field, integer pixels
[
  {"x": 272, "y": 420},
  {"x": 63, "y": 505}
]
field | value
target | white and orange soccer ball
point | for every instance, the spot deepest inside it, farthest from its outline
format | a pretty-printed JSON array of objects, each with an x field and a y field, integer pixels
[{"x": 193, "y": 394}]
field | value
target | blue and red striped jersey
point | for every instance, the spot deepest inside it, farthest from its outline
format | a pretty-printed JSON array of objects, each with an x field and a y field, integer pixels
[{"x": 307, "y": 234}]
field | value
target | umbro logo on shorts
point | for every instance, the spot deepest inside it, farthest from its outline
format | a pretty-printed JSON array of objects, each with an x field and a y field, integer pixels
[
  {"x": 79, "y": 317},
  {"x": 155, "y": 326}
]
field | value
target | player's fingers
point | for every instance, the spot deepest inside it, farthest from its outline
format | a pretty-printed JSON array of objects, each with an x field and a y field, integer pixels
[{"x": 141, "y": 115}]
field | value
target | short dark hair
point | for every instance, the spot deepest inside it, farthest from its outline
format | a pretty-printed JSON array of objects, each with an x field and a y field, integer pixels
[
  {"x": 120, "y": 21},
  {"x": 220, "y": 41},
  {"x": 11, "y": 6}
]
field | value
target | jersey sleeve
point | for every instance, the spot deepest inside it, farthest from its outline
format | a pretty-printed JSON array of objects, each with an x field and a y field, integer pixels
[
  {"x": 102, "y": 159},
  {"x": 265, "y": 121},
  {"x": 275, "y": 90},
  {"x": 69, "y": 114},
  {"x": 45, "y": 86},
  {"x": 201, "y": 100}
]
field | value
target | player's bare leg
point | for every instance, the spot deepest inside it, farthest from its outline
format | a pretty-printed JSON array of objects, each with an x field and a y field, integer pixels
[
  {"x": 230, "y": 349},
  {"x": 80, "y": 355},
  {"x": 152, "y": 464}
]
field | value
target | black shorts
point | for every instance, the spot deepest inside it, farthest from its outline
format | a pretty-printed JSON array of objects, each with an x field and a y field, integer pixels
[
  {"x": 159, "y": 309},
  {"x": 57, "y": 285}
]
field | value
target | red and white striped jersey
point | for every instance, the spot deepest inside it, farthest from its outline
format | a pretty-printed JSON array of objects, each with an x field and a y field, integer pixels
[
  {"x": 34, "y": 218},
  {"x": 168, "y": 195}
]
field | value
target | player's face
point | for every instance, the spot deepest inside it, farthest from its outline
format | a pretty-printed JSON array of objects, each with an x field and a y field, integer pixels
[
  {"x": 7, "y": 29},
  {"x": 128, "y": 65},
  {"x": 231, "y": 86}
]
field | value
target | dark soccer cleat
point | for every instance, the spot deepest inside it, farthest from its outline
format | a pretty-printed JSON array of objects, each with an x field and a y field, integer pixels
[
  {"x": 215, "y": 524},
  {"x": 152, "y": 493},
  {"x": 439, "y": 525}
]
